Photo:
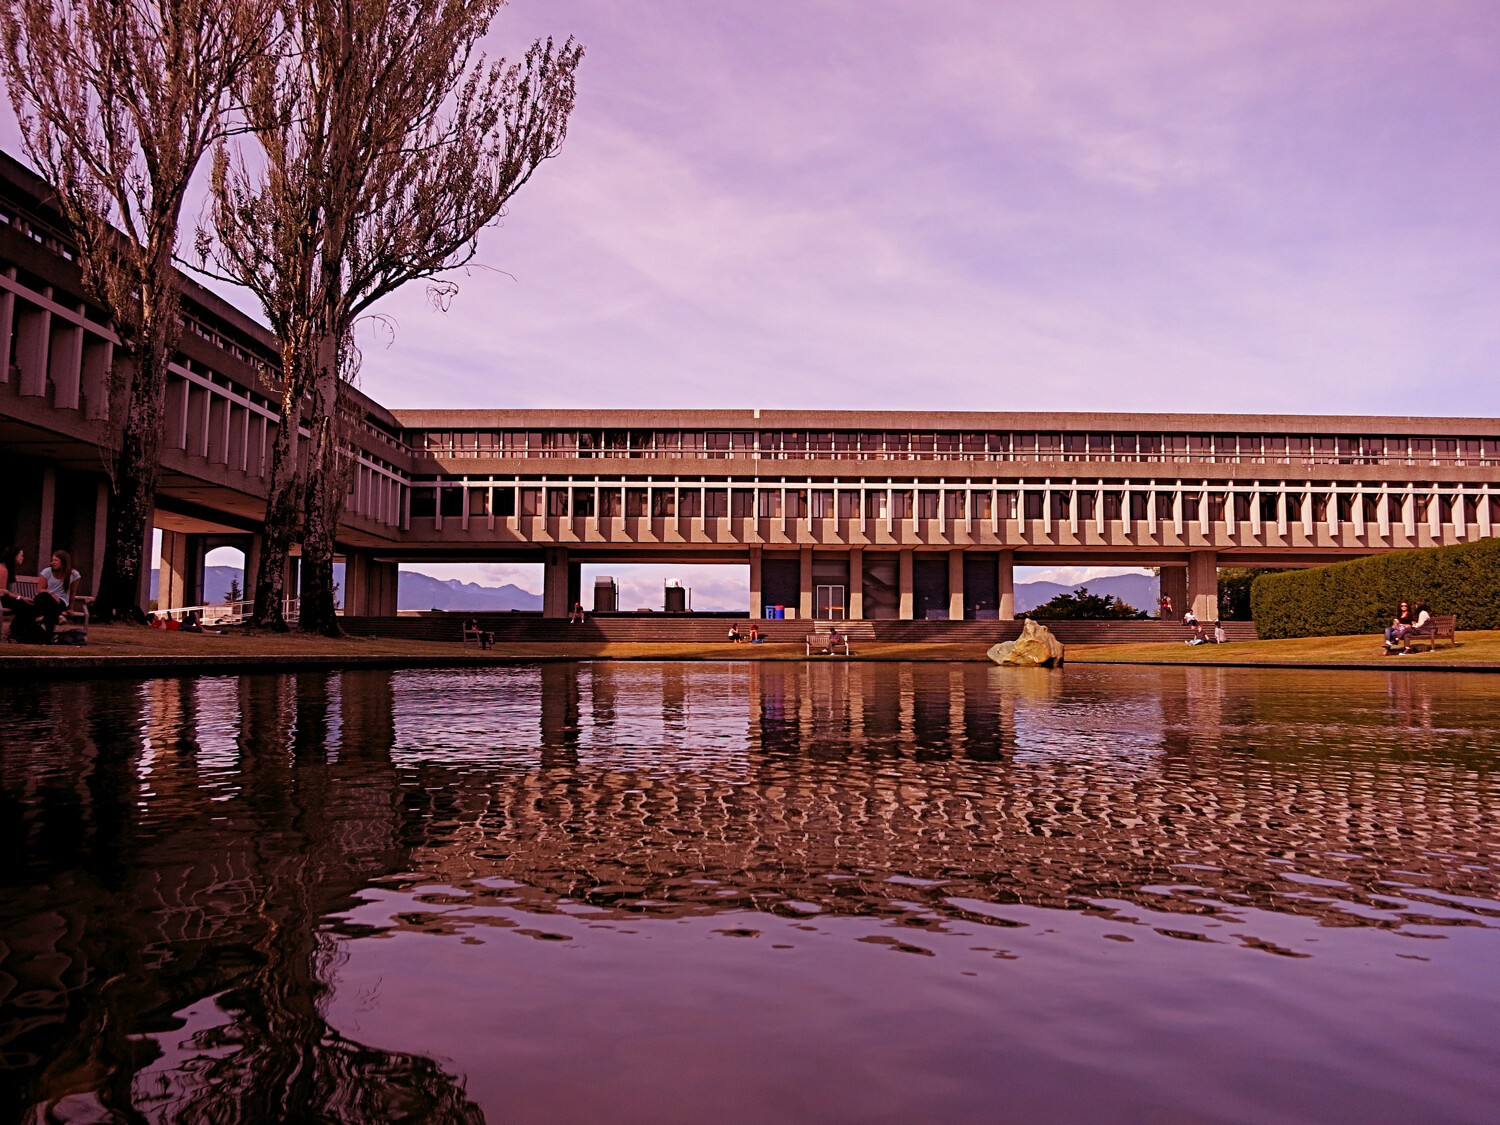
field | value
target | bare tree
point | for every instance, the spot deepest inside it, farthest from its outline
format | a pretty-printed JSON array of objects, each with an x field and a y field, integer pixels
[
  {"x": 387, "y": 145},
  {"x": 118, "y": 100}
]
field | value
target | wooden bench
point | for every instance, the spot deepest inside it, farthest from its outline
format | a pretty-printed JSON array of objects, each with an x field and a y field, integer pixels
[
  {"x": 1438, "y": 626},
  {"x": 481, "y": 637},
  {"x": 822, "y": 644},
  {"x": 25, "y": 587}
]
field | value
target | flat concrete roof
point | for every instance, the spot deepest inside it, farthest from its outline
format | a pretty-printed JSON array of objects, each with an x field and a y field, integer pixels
[{"x": 586, "y": 418}]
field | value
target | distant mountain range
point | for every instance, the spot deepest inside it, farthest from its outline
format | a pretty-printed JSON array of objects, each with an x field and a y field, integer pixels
[
  {"x": 419, "y": 591},
  {"x": 1139, "y": 591}
]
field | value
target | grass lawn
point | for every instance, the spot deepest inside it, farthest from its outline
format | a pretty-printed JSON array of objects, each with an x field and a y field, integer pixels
[
  {"x": 137, "y": 642},
  {"x": 1473, "y": 648},
  {"x": 137, "y": 646}
]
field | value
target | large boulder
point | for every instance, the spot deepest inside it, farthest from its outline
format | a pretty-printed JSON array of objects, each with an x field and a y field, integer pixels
[{"x": 1035, "y": 647}]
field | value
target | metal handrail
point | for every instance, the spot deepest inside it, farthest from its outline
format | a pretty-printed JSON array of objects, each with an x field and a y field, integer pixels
[{"x": 228, "y": 613}]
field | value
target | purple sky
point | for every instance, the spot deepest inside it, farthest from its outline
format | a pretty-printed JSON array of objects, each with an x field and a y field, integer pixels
[{"x": 1145, "y": 205}]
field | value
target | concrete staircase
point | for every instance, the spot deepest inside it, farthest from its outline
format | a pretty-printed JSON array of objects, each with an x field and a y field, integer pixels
[{"x": 513, "y": 628}]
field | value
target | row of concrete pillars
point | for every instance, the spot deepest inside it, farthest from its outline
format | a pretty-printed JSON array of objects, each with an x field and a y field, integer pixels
[
  {"x": 368, "y": 588},
  {"x": 897, "y": 585}
]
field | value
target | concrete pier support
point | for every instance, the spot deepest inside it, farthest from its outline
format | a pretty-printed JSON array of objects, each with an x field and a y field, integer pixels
[
  {"x": 955, "y": 585},
  {"x": 369, "y": 585},
  {"x": 1203, "y": 584},
  {"x": 857, "y": 584},
  {"x": 1174, "y": 585},
  {"x": 555, "y": 582},
  {"x": 907, "y": 607},
  {"x": 1007, "y": 586},
  {"x": 757, "y": 605},
  {"x": 180, "y": 579},
  {"x": 805, "y": 583}
]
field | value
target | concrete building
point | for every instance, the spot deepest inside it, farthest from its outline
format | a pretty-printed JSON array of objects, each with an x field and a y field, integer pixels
[{"x": 879, "y": 515}]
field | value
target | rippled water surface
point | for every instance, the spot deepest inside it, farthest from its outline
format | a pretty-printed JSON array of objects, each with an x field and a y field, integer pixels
[{"x": 685, "y": 893}]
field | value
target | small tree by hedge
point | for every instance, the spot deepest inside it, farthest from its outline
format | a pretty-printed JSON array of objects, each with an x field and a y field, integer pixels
[
  {"x": 1086, "y": 606},
  {"x": 1361, "y": 596}
]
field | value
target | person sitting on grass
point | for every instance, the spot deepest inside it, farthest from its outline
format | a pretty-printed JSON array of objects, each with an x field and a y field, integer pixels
[
  {"x": 1219, "y": 637},
  {"x": 1198, "y": 637},
  {"x": 1399, "y": 627}
]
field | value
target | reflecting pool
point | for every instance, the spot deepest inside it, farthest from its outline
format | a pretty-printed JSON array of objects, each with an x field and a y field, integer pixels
[{"x": 763, "y": 893}]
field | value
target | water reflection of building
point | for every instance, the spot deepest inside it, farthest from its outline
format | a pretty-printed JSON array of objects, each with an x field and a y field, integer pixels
[{"x": 190, "y": 839}]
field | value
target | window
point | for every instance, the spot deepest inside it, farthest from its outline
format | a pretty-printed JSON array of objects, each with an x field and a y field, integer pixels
[
  {"x": 1346, "y": 507},
  {"x": 1099, "y": 446},
  {"x": 953, "y": 505},
  {"x": 1268, "y": 507},
  {"x": 557, "y": 501},
  {"x": 1126, "y": 447},
  {"x": 666, "y": 440},
  {"x": 845, "y": 443},
  {"x": 981, "y": 505},
  {"x": 796, "y": 503},
  {"x": 423, "y": 503},
  {"x": 869, "y": 443},
  {"x": 479, "y": 501},
  {"x": 770, "y": 504},
  {"x": 875, "y": 505},
  {"x": 1075, "y": 446},
  {"x": 1252, "y": 448},
  {"x": 742, "y": 504},
  {"x": 820, "y": 445},
  {"x": 505, "y": 502},
  {"x": 1048, "y": 446},
  {"x": 583, "y": 501},
  {"x": 1061, "y": 502},
  {"x": 901, "y": 504},
  {"x": 1191, "y": 504},
  {"x": 1007, "y": 503},
  {"x": 927, "y": 505},
  {"x": 1241, "y": 507},
  {"x": 1033, "y": 505},
  {"x": 947, "y": 446},
  {"x": 848, "y": 505},
  {"x": 451, "y": 502},
  {"x": 795, "y": 443},
  {"x": 1023, "y": 447},
  {"x": 770, "y": 443},
  {"x": 635, "y": 503},
  {"x": 744, "y": 443},
  {"x": 663, "y": 503},
  {"x": 1176, "y": 447},
  {"x": 1200, "y": 447},
  {"x": 717, "y": 444},
  {"x": 1164, "y": 503},
  {"x": 822, "y": 504},
  {"x": 1137, "y": 505},
  {"x": 974, "y": 446},
  {"x": 1111, "y": 505},
  {"x": 689, "y": 503},
  {"x": 922, "y": 446},
  {"x": 1086, "y": 502},
  {"x": 640, "y": 442},
  {"x": 1216, "y": 507},
  {"x": 897, "y": 443},
  {"x": 1320, "y": 507},
  {"x": 531, "y": 501},
  {"x": 1150, "y": 447},
  {"x": 692, "y": 444},
  {"x": 716, "y": 503},
  {"x": 609, "y": 503}
]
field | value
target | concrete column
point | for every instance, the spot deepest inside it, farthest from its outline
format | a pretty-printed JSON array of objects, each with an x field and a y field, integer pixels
[
  {"x": 252, "y": 564},
  {"x": 1007, "y": 586},
  {"x": 1203, "y": 584},
  {"x": 757, "y": 606},
  {"x": 907, "y": 606},
  {"x": 46, "y": 517},
  {"x": 356, "y": 582},
  {"x": 955, "y": 585},
  {"x": 857, "y": 584},
  {"x": 555, "y": 582},
  {"x": 1174, "y": 585},
  {"x": 96, "y": 555},
  {"x": 171, "y": 580},
  {"x": 804, "y": 583}
]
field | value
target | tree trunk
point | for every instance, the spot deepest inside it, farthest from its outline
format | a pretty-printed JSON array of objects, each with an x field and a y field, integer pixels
[
  {"x": 282, "y": 497},
  {"x": 138, "y": 467},
  {"x": 326, "y": 488}
]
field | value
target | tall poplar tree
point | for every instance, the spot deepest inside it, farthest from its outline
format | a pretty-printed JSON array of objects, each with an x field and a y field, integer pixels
[
  {"x": 118, "y": 100},
  {"x": 386, "y": 145}
]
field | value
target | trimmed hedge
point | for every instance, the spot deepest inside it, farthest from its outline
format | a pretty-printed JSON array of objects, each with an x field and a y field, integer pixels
[{"x": 1361, "y": 596}]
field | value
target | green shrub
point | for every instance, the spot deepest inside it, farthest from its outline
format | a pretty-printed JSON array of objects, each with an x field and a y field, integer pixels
[{"x": 1361, "y": 595}]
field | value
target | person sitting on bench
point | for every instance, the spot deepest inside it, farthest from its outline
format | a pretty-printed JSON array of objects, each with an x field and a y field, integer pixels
[{"x": 1399, "y": 627}]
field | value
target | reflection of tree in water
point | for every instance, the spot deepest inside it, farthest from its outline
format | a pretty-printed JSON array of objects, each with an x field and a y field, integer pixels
[{"x": 169, "y": 896}]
